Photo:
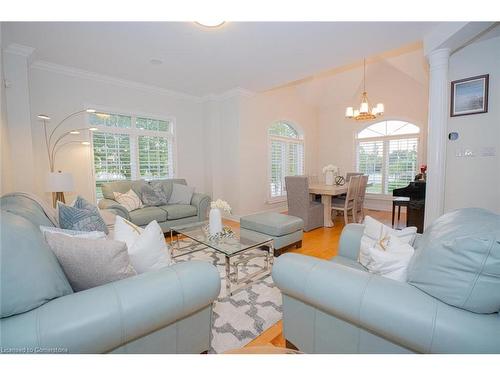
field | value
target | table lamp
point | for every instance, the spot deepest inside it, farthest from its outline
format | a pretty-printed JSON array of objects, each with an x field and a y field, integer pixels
[{"x": 57, "y": 183}]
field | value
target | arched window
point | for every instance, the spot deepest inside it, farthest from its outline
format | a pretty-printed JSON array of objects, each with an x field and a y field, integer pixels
[
  {"x": 286, "y": 156},
  {"x": 388, "y": 153}
]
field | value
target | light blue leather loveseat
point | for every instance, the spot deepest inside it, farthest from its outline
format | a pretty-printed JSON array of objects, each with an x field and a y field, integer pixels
[
  {"x": 165, "y": 311},
  {"x": 336, "y": 306}
]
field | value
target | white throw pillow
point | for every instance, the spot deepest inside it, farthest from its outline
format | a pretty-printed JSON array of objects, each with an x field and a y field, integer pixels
[
  {"x": 146, "y": 247},
  {"x": 375, "y": 231},
  {"x": 129, "y": 200},
  {"x": 390, "y": 258}
]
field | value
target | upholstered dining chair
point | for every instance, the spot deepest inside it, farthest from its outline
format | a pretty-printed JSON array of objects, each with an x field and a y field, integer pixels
[
  {"x": 350, "y": 174},
  {"x": 359, "y": 201},
  {"x": 300, "y": 203},
  {"x": 347, "y": 203}
]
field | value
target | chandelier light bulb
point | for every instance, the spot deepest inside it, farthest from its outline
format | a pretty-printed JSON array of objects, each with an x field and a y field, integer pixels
[
  {"x": 349, "y": 112},
  {"x": 363, "y": 108}
]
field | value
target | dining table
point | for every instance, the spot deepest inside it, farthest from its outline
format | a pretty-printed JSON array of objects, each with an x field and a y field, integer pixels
[{"x": 327, "y": 192}]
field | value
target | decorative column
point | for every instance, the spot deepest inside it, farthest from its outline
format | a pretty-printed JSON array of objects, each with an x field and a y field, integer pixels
[{"x": 436, "y": 134}]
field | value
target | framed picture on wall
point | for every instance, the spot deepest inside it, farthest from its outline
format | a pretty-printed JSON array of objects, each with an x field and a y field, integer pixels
[{"x": 469, "y": 96}]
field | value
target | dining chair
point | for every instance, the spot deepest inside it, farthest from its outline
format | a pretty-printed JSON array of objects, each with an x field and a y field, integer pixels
[
  {"x": 359, "y": 202},
  {"x": 348, "y": 203},
  {"x": 350, "y": 174},
  {"x": 300, "y": 203}
]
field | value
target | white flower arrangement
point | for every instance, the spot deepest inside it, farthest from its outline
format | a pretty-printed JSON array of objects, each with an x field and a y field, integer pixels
[
  {"x": 221, "y": 205},
  {"x": 331, "y": 168}
]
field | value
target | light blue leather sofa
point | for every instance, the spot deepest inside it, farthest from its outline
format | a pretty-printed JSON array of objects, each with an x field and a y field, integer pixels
[
  {"x": 167, "y": 216},
  {"x": 165, "y": 311},
  {"x": 336, "y": 306}
]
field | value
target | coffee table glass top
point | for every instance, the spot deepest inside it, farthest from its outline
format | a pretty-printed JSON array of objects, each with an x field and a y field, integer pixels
[{"x": 242, "y": 240}]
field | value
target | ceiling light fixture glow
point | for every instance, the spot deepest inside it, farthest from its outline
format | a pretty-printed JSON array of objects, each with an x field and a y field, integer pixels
[{"x": 212, "y": 24}]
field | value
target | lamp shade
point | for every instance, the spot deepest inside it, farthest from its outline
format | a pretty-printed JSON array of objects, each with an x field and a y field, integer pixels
[{"x": 59, "y": 182}]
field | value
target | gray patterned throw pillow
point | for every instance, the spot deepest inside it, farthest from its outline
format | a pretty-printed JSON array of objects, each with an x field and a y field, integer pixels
[
  {"x": 149, "y": 196},
  {"x": 88, "y": 263},
  {"x": 82, "y": 216},
  {"x": 157, "y": 187}
]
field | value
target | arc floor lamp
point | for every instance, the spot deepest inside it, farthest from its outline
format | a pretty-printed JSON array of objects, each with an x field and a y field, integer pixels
[{"x": 58, "y": 182}]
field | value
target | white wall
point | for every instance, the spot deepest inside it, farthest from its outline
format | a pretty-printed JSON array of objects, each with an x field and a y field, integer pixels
[
  {"x": 5, "y": 175},
  {"x": 400, "y": 82},
  {"x": 238, "y": 147},
  {"x": 258, "y": 113},
  {"x": 58, "y": 94},
  {"x": 222, "y": 145},
  {"x": 475, "y": 181}
]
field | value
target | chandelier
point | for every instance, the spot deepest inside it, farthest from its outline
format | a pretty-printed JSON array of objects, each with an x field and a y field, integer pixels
[{"x": 364, "y": 112}]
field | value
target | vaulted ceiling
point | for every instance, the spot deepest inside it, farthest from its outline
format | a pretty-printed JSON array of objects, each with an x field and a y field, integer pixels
[{"x": 198, "y": 61}]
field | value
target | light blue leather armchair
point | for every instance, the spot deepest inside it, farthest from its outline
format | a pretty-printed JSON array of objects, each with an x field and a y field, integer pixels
[
  {"x": 337, "y": 307},
  {"x": 165, "y": 311}
]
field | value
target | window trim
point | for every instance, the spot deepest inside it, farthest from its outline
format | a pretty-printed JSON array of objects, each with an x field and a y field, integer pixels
[
  {"x": 270, "y": 138},
  {"x": 133, "y": 132},
  {"x": 384, "y": 139}
]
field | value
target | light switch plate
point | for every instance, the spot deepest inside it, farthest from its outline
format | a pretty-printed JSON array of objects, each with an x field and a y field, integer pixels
[{"x": 488, "y": 151}]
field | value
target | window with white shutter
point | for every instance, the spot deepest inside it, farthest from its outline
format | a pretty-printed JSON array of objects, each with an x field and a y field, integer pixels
[
  {"x": 388, "y": 153},
  {"x": 129, "y": 147},
  {"x": 286, "y": 157}
]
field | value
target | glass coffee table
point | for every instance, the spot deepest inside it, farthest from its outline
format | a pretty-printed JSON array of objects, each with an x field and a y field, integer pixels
[{"x": 239, "y": 245}]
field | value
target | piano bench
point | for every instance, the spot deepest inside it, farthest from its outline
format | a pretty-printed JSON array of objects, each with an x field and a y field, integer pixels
[{"x": 400, "y": 202}]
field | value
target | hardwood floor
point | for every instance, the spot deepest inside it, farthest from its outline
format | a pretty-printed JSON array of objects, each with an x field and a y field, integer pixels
[{"x": 321, "y": 243}]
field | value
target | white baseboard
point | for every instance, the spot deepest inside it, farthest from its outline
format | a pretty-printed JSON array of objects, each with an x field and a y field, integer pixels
[
  {"x": 378, "y": 204},
  {"x": 236, "y": 217}
]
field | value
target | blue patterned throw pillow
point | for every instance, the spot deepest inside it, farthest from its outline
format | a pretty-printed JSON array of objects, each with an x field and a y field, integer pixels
[{"x": 81, "y": 216}]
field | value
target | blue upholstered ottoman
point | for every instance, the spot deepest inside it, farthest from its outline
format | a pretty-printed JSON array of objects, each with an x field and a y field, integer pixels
[{"x": 286, "y": 230}]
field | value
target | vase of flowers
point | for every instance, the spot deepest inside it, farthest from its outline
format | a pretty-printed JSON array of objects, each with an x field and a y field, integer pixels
[
  {"x": 330, "y": 171},
  {"x": 215, "y": 215},
  {"x": 423, "y": 170}
]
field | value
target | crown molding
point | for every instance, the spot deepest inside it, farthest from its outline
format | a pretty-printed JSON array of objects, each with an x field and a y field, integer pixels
[
  {"x": 79, "y": 73},
  {"x": 233, "y": 93},
  {"x": 19, "y": 49}
]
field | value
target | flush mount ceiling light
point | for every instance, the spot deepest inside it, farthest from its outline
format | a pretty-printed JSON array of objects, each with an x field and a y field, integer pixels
[
  {"x": 212, "y": 24},
  {"x": 155, "y": 62}
]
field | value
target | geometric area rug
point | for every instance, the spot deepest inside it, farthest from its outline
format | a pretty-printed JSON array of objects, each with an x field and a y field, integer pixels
[{"x": 240, "y": 318}]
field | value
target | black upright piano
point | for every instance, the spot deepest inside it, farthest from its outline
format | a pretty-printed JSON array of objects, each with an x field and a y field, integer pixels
[{"x": 416, "y": 206}]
